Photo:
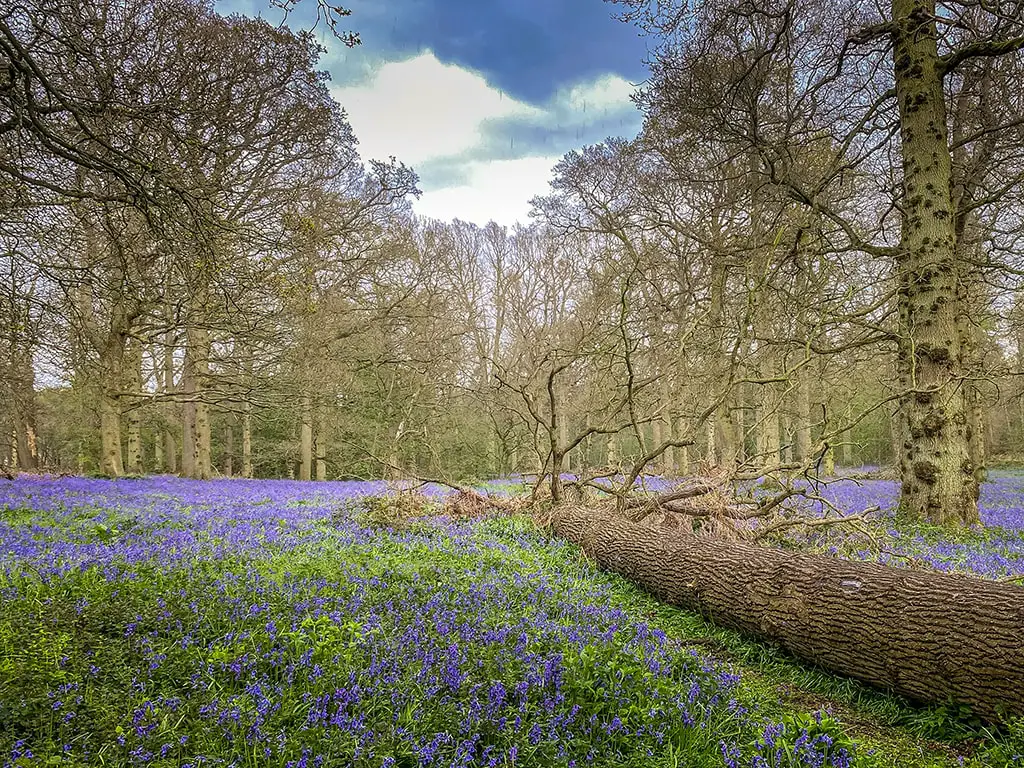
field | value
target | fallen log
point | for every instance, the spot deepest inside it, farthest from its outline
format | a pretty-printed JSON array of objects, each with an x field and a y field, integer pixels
[{"x": 929, "y": 636}]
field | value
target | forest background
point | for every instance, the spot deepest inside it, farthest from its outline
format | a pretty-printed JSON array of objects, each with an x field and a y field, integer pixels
[{"x": 809, "y": 256}]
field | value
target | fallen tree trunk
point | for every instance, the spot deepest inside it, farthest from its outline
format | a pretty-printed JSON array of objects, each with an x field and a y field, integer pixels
[{"x": 926, "y": 635}]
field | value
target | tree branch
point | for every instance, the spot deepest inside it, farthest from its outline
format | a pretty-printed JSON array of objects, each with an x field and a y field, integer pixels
[{"x": 952, "y": 60}]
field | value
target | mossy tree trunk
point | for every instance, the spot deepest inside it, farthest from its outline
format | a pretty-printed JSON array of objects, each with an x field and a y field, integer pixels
[{"x": 938, "y": 480}]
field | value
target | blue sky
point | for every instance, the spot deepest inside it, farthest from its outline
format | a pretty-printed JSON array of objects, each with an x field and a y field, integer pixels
[{"x": 481, "y": 97}]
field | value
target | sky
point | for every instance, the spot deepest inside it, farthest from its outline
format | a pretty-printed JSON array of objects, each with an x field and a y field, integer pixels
[{"x": 480, "y": 97}]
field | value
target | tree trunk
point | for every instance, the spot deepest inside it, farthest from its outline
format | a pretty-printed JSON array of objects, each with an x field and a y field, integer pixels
[
  {"x": 898, "y": 437},
  {"x": 11, "y": 454},
  {"x": 188, "y": 428},
  {"x": 133, "y": 416},
  {"x": 110, "y": 370},
  {"x": 677, "y": 458},
  {"x": 170, "y": 444},
  {"x": 972, "y": 166},
  {"x": 938, "y": 481},
  {"x": 229, "y": 448},
  {"x": 563, "y": 439},
  {"x": 247, "y": 440},
  {"x": 828, "y": 462},
  {"x": 710, "y": 453},
  {"x": 158, "y": 452},
  {"x": 738, "y": 414},
  {"x": 976, "y": 436},
  {"x": 196, "y": 459},
  {"x": 928, "y": 636},
  {"x": 557, "y": 461},
  {"x": 802, "y": 418},
  {"x": 612, "y": 451},
  {"x": 170, "y": 451},
  {"x": 971, "y": 335},
  {"x": 724, "y": 435},
  {"x": 25, "y": 448},
  {"x": 768, "y": 443},
  {"x": 786, "y": 425},
  {"x": 393, "y": 470},
  {"x": 306, "y": 440},
  {"x": 681, "y": 465},
  {"x": 730, "y": 434},
  {"x": 659, "y": 464},
  {"x": 111, "y": 463},
  {"x": 846, "y": 447},
  {"x": 321, "y": 446}
]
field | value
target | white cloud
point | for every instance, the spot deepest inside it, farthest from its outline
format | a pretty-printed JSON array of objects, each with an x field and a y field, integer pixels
[
  {"x": 607, "y": 93},
  {"x": 420, "y": 109},
  {"x": 498, "y": 190}
]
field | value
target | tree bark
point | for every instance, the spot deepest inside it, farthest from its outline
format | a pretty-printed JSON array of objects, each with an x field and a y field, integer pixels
[
  {"x": 938, "y": 480},
  {"x": 321, "y": 445},
  {"x": 21, "y": 386},
  {"x": 802, "y": 418},
  {"x": 828, "y": 462},
  {"x": 11, "y": 454},
  {"x": 928, "y": 636},
  {"x": 110, "y": 370},
  {"x": 306, "y": 440},
  {"x": 111, "y": 462},
  {"x": 229, "y": 448},
  {"x": 769, "y": 447},
  {"x": 726, "y": 433},
  {"x": 846, "y": 455},
  {"x": 786, "y": 425},
  {"x": 612, "y": 451},
  {"x": 133, "y": 416},
  {"x": 158, "y": 452},
  {"x": 976, "y": 437},
  {"x": 710, "y": 454},
  {"x": 681, "y": 464},
  {"x": 730, "y": 434},
  {"x": 170, "y": 451},
  {"x": 247, "y": 440},
  {"x": 195, "y": 455},
  {"x": 659, "y": 464},
  {"x": 563, "y": 438},
  {"x": 170, "y": 443}
]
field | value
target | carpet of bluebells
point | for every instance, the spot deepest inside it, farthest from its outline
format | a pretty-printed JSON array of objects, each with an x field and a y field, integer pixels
[
  {"x": 165, "y": 622},
  {"x": 993, "y": 550}
]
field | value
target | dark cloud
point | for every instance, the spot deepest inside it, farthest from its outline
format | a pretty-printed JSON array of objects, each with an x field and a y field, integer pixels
[{"x": 529, "y": 48}]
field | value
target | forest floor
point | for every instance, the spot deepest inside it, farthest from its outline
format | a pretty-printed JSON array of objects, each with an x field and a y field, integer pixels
[{"x": 166, "y": 622}]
